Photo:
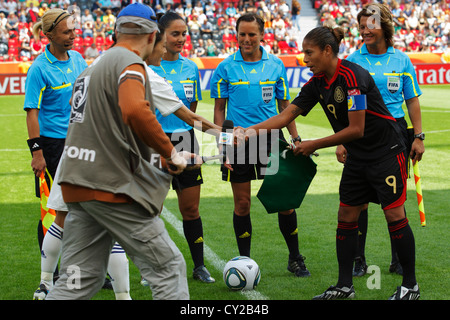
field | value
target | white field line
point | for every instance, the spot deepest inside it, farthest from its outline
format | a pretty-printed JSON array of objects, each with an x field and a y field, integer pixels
[{"x": 210, "y": 255}]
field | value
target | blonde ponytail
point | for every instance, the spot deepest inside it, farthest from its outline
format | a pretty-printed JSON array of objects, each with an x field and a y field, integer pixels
[{"x": 48, "y": 21}]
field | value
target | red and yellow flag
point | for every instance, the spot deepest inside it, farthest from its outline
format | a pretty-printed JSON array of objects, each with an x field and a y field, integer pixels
[
  {"x": 47, "y": 215},
  {"x": 418, "y": 183}
]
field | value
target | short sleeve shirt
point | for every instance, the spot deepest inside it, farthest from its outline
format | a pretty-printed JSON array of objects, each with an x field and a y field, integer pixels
[
  {"x": 252, "y": 88},
  {"x": 184, "y": 77},
  {"x": 48, "y": 87}
]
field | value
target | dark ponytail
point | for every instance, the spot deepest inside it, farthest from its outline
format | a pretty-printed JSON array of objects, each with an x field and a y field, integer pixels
[{"x": 323, "y": 36}]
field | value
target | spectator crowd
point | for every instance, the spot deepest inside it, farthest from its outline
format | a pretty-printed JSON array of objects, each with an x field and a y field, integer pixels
[{"x": 420, "y": 26}]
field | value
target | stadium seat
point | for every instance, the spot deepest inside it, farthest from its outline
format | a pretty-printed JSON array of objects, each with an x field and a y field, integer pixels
[
  {"x": 13, "y": 52},
  {"x": 13, "y": 43},
  {"x": 99, "y": 43},
  {"x": 78, "y": 42},
  {"x": 269, "y": 37},
  {"x": 22, "y": 25},
  {"x": 108, "y": 42},
  {"x": 88, "y": 41},
  {"x": 79, "y": 49}
]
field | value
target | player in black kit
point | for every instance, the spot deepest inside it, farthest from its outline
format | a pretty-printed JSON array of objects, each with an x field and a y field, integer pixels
[{"x": 375, "y": 167}]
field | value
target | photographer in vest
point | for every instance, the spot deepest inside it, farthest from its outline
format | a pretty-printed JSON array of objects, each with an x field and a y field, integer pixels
[{"x": 109, "y": 180}]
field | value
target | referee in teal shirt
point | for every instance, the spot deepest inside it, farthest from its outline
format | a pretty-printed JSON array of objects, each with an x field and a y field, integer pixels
[
  {"x": 247, "y": 87},
  {"x": 48, "y": 89}
]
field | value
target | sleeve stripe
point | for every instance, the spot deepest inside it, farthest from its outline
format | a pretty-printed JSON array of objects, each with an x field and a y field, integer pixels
[{"x": 130, "y": 74}]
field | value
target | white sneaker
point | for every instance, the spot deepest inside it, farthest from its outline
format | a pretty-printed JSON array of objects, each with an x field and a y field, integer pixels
[
  {"x": 403, "y": 293},
  {"x": 41, "y": 292}
]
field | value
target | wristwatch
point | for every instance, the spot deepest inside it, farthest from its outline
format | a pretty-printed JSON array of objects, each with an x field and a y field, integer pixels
[
  {"x": 297, "y": 139},
  {"x": 420, "y": 136}
]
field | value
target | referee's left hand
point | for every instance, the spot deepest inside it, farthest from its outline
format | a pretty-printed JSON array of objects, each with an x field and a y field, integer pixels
[{"x": 417, "y": 150}]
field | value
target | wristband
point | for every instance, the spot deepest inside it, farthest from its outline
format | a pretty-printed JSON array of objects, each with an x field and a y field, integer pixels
[
  {"x": 34, "y": 144},
  {"x": 297, "y": 139}
]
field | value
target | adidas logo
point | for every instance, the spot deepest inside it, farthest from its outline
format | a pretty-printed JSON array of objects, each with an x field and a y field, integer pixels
[
  {"x": 199, "y": 240},
  {"x": 253, "y": 71},
  {"x": 378, "y": 63},
  {"x": 68, "y": 70},
  {"x": 35, "y": 145},
  {"x": 173, "y": 71},
  {"x": 244, "y": 235}
]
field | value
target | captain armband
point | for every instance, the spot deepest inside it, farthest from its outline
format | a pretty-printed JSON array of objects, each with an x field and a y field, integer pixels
[
  {"x": 357, "y": 102},
  {"x": 34, "y": 144}
]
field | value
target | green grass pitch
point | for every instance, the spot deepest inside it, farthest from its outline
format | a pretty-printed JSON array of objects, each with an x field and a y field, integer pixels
[{"x": 317, "y": 219}]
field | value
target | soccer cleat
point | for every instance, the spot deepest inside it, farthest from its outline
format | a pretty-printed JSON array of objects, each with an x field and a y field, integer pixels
[
  {"x": 403, "y": 293},
  {"x": 360, "y": 267},
  {"x": 144, "y": 282},
  {"x": 41, "y": 292},
  {"x": 297, "y": 267},
  {"x": 202, "y": 274},
  {"x": 336, "y": 293}
]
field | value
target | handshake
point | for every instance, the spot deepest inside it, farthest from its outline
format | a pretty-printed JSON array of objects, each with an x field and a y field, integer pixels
[{"x": 180, "y": 161}]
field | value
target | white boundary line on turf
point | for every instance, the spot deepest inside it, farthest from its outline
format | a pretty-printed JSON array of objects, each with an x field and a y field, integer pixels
[{"x": 210, "y": 255}]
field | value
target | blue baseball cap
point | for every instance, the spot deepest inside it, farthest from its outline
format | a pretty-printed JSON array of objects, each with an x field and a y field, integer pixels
[
  {"x": 138, "y": 10},
  {"x": 139, "y": 14}
]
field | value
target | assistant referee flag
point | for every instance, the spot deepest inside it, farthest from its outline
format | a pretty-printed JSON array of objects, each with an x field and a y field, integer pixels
[{"x": 285, "y": 185}]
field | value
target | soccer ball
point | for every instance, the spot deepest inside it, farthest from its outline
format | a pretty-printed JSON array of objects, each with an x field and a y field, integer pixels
[{"x": 241, "y": 273}]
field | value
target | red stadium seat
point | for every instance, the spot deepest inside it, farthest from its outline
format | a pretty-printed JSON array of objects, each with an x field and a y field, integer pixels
[
  {"x": 283, "y": 45},
  {"x": 78, "y": 42},
  {"x": 99, "y": 43},
  {"x": 108, "y": 42},
  {"x": 269, "y": 37},
  {"x": 13, "y": 52},
  {"x": 79, "y": 49},
  {"x": 88, "y": 41},
  {"x": 13, "y": 43}
]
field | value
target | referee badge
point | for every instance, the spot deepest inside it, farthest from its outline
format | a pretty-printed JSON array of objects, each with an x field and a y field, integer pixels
[
  {"x": 188, "y": 91},
  {"x": 267, "y": 93},
  {"x": 393, "y": 84}
]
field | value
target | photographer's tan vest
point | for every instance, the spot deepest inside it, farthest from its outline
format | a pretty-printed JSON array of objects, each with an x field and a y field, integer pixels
[{"x": 101, "y": 151}]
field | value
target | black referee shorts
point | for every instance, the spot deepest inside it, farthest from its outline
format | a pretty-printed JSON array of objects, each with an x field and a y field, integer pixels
[
  {"x": 250, "y": 161},
  {"x": 52, "y": 149},
  {"x": 186, "y": 141}
]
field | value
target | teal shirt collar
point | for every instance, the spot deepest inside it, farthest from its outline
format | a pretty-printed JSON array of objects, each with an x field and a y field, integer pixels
[
  {"x": 363, "y": 50},
  {"x": 50, "y": 57}
]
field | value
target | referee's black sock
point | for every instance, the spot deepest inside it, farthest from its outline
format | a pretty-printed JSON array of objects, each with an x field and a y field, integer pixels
[
  {"x": 403, "y": 240},
  {"x": 346, "y": 245},
  {"x": 243, "y": 231},
  {"x": 193, "y": 231},
  {"x": 289, "y": 230}
]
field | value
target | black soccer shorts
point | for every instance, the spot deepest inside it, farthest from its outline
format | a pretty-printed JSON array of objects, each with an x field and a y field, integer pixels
[{"x": 381, "y": 182}]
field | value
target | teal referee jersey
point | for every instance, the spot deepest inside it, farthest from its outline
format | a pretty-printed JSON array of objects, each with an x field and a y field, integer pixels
[
  {"x": 48, "y": 87},
  {"x": 394, "y": 76},
  {"x": 251, "y": 88},
  {"x": 184, "y": 77}
]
